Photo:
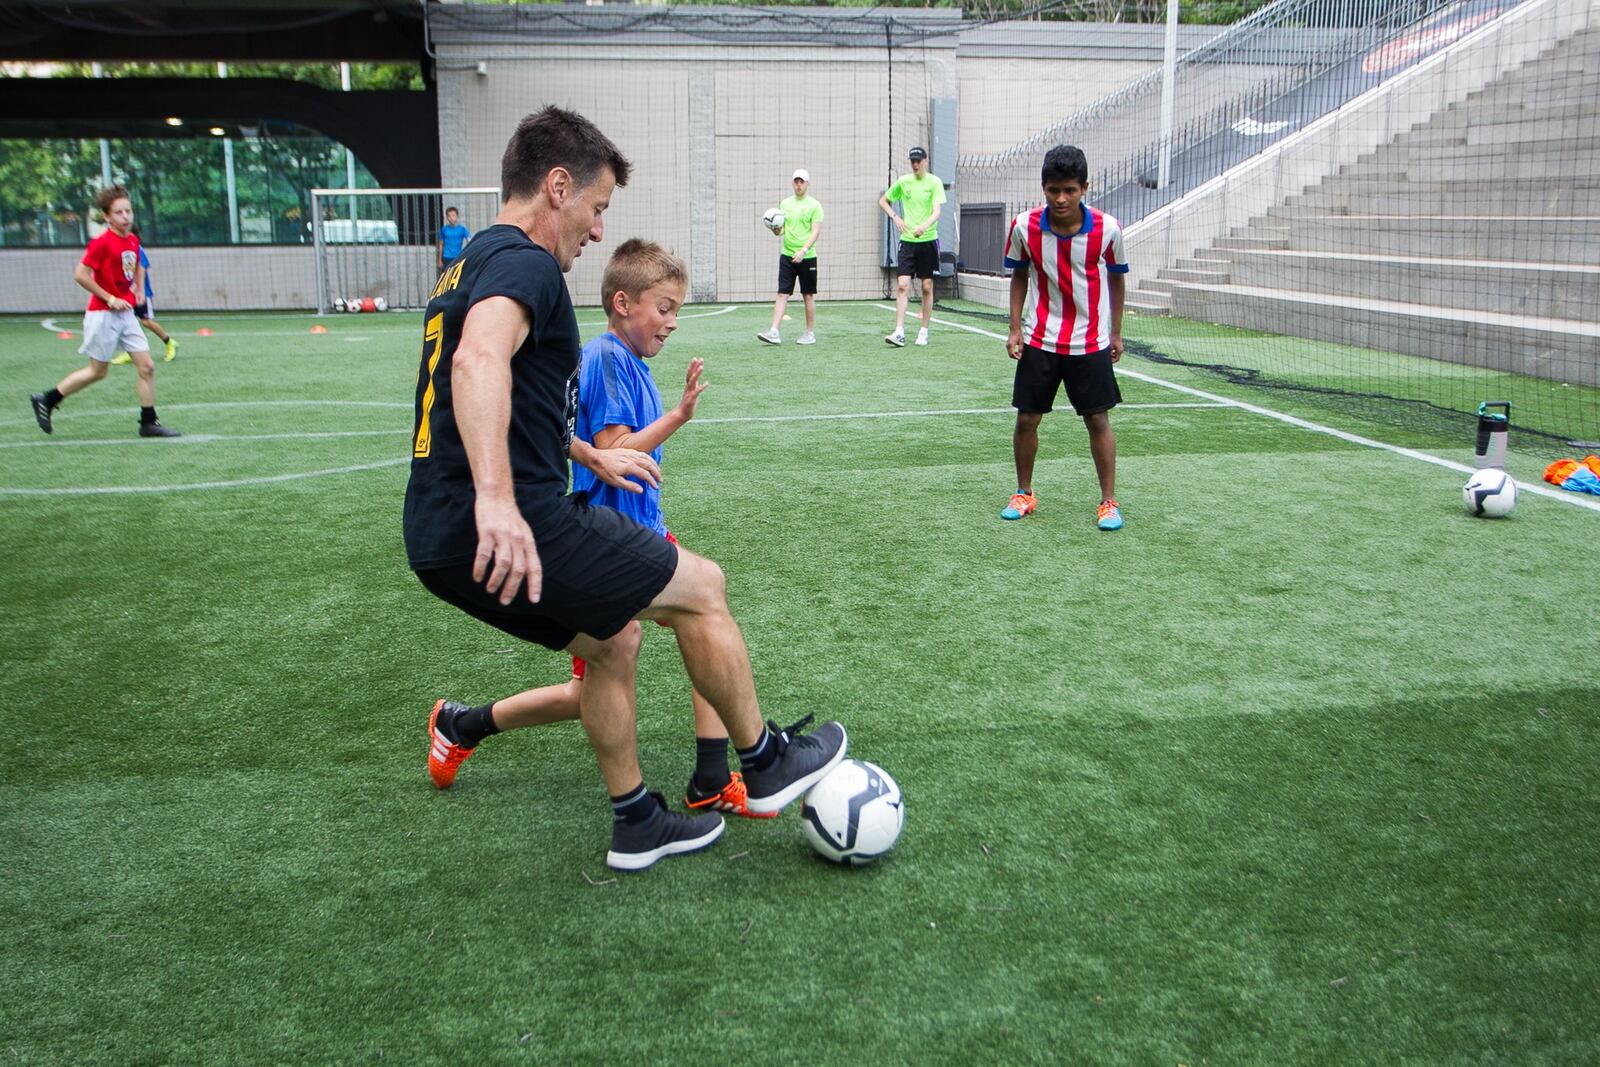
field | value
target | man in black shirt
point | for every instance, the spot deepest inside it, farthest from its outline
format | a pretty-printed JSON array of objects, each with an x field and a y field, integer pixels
[{"x": 490, "y": 527}]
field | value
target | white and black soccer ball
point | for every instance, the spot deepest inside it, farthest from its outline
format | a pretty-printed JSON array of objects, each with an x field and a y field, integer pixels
[
  {"x": 353, "y": 305},
  {"x": 380, "y": 304},
  {"x": 773, "y": 220},
  {"x": 1489, "y": 494},
  {"x": 338, "y": 303},
  {"x": 854, "y": 814}
]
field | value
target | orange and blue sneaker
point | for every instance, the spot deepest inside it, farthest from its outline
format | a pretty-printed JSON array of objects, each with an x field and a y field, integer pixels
[
  {"x": 1021, "y": 504},
  {"x": 445, "y": 757},
  {"x": 730, "y": 798},
  {"x": 1109, "y": 517}
]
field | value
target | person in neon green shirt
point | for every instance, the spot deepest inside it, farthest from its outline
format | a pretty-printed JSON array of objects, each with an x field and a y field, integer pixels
[
  {"x": 802, "y": 225},
  {"x": 921, "y": 195}
]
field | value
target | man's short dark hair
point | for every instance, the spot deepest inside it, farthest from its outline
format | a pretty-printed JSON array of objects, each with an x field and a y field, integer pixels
[
  {"x": 1064, "y": 163},
  {"x": 556, "y": 138},
  {"x": 450, "y": 209}
]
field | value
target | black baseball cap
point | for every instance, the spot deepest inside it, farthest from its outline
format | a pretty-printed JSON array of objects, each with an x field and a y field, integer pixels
[{"x": 918, "y": 153}]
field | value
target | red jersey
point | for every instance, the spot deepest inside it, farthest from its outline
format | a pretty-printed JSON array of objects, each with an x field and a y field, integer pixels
[
  {"x": 1068, "y": 309},
  {"x": 113, "y": 260}
]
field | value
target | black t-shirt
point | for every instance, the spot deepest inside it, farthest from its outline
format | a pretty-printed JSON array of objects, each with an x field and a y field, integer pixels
[{"x": 440, "y": 526}]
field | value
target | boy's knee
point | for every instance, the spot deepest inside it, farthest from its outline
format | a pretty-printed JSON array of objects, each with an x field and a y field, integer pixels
[{"x": 97, "y": 370}]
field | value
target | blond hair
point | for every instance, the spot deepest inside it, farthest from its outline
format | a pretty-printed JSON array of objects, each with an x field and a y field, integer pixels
[{"x": 638, "y": 265}]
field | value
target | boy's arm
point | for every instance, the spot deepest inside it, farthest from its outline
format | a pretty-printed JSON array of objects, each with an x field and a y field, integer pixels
[
  {"x": 1019, "y": 298},
  {"x": 138, "y": 284},
  {"x": 933, "y": 220},
  {"x": 887, "y": 209},
  {"x": 85, "y": 277},
  {"x": 616, "y": 466},
  {"x": 1119, "y": 290},
  {"x": 651, "y": 437},
  {"x": 441, "y": 249},
  {"x": 816, "y": 231}
]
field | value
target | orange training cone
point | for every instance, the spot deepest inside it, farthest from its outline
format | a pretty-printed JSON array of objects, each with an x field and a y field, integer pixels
[
  {"x": 204, "y": 331},
  {"x": 319, "y": 328},
  {"x": 65, "y": 335}
]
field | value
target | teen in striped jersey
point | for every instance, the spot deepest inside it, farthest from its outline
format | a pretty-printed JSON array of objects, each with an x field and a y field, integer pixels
[{"x": 1067, "y": 287}]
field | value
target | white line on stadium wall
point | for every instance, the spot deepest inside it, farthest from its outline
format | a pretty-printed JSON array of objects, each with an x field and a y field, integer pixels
[
  {"x": 235, "y": 483},
  {"x": 1305, "y": 424}
]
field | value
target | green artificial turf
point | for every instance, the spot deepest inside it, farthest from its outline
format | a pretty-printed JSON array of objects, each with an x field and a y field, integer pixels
[{"x": 1297, "y": 767}]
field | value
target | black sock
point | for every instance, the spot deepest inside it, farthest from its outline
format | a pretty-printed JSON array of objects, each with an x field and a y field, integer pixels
[
  {"x": 53, "y": 398},
  {"x": 761, "y": 755},
  {"x": 711, "y": 763},
  {"x": 634, "y": 806},
  {"x": 147, "y": 416},
  {"x": 473, "y": 725}
]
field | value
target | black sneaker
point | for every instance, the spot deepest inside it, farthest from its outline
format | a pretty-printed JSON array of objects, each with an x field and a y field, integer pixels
[
  {"x": 635, "y": 846},
  {"x": 41, "y": 412},
  {"x": 155, "y": 429},
  {"x": 801, "y": 763}
]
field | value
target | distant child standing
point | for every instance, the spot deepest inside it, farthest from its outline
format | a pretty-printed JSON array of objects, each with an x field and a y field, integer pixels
[
  {"x": 619, "y": 406},
  {"x": 453, "y": 238},
  {"x": 144, "y": 311},
  {"x": 110, "y": 271},
  {"x": 802, "y": 225},
  {"x": 1068, "y": 281}
]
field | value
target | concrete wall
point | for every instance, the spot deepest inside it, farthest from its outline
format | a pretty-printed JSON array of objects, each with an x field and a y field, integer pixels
[{"x": 199, "y": 279}]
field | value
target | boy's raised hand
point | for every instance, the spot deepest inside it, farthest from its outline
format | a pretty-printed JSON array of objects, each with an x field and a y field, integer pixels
[{"x": 692, "y": 388}]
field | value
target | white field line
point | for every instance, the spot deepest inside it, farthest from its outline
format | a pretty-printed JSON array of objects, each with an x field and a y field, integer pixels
[
  {"x": 237, "y": 482},
  {"x": 1575, "y": 499},
  {"x": 55, "y": 327}
]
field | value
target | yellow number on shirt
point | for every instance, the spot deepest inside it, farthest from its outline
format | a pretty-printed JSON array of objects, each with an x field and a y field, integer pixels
[{"x": 433, "y": 331}]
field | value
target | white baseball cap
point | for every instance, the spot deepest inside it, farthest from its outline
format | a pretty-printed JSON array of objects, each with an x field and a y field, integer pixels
[{"x": 803, "y": 175}]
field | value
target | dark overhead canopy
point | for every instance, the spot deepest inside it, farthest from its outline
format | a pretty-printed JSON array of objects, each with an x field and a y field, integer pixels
[{"x": 230, "y": 30}]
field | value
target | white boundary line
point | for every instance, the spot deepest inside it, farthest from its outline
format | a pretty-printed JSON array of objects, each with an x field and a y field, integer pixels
[
  {"x": 1575, "y": 499},
  {"x": 113, "y": 489}
]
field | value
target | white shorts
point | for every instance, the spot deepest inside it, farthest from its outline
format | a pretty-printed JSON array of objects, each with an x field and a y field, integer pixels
[{"x": 105, "y": 333}]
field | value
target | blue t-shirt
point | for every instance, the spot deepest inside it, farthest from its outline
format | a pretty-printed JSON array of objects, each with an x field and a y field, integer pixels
[
  {"x": 453, "y": 238},
  {"x": 145, "y": 263},
  {"x": 615, "y": 388}
]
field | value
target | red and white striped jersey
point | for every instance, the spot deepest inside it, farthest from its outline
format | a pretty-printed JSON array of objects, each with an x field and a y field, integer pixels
[{"x": 1068, "y": 309}]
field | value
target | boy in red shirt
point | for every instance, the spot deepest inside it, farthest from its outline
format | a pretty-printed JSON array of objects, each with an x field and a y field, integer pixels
[{"x": 110, "y": 271}]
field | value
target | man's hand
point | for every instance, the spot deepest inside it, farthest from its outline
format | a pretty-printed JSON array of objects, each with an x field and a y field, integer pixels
[
  {"x": 692, "y": 388},
  {"x": 1014, "y": 342},
  {"x": 506, "y": 552},
  {"x": 899, "y": 223},
  {"x": 800, "y": 257},
  {"x": 618, "y": 466},
  {"x": 1116, "y": 347},
  {"x": 918, "y": 231}
]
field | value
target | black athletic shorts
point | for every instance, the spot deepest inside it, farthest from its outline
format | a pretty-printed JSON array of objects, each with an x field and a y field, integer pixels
[
  {"x": 919, "y": 259},
  {"x": 142, "y": 311},
  {"x": 600, "y": 570},
  {"x": 1090, "y": 381},
  {"x": 789, "y": 271}
]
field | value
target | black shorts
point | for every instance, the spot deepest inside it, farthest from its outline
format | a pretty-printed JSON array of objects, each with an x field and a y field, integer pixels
[
  {"x": 600, "y": 570},
  {"x": 1090, "y": 381},
  {"x": 805, "y": 271},
  {"x": 919, "y": 259},
  {"x": 142, "y": 310}
]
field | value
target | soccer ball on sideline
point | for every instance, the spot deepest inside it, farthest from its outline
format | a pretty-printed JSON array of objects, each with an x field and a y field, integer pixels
[
  {"x": 1490, "y": 494},
  {"x": 854, "y": 815},
  {"x": 773, "y": 220}
]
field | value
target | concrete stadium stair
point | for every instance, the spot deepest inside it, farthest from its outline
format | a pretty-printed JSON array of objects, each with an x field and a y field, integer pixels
[{"x": 1473, "y": 237}]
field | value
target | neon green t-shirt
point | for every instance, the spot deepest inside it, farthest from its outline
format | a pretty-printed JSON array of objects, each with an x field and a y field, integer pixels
[
  {"x": 919, "y": 195},
  {"x": 800, "y": 217}
]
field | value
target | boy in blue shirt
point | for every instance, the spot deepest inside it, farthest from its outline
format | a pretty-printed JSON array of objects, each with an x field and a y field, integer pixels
[
  {"x": 145, "y": 313},
  {"x": 452, "y": 238},
  {"x": 619, "y": 406}
]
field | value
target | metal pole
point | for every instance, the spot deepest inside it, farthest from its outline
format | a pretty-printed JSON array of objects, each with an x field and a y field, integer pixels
[
  {"x": 1169, "y": 71},
  {"x": 105, "y": 145},
  {"x": 320, "y": 250},
  {"x": 349, "y": 156},
  {"x": 227, "y": 161}
]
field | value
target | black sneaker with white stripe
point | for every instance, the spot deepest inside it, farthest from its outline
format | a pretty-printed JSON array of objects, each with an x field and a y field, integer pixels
[
  {"x": 635, "y": 846},
  {"x": 41, "y": 411},
  {"x": 801, "y": 763}
]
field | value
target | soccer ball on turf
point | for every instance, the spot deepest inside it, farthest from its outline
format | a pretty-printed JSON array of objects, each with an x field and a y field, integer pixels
[
  {"x": 353, "y": 305},
  {"x": 1490, "y": 493},
  {"x": 380, "y": 304},
  {"x": 338, "y": 303},
  {"x": 368, "y": 304},
  {"x": 773, "y": 220},
  {"x": 854, "y": 814}
]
